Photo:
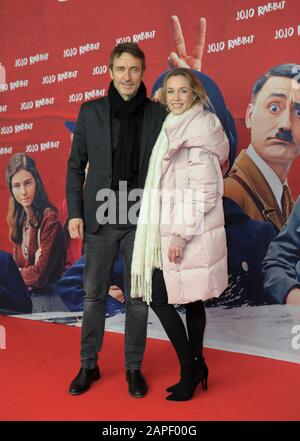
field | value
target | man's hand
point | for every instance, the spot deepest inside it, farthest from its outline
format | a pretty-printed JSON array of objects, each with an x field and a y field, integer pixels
[
  {"x": 293, "y": 297},
  {"x": 175, "y": 254},
  {"x": 180, "y": 57},
  {"x": 116, "y": 293},
  {"x": 75, "y": 228}
]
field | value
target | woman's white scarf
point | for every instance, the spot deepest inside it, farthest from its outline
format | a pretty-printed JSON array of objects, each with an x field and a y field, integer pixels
[{"x": 147, "y": 246}]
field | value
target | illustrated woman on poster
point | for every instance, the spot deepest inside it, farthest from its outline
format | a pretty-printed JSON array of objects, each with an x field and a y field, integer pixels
[{"x": 36, "y": 234}]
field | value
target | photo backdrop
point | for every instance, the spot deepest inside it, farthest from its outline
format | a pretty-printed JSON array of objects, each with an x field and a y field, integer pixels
[{"x": 54, "y": 56}]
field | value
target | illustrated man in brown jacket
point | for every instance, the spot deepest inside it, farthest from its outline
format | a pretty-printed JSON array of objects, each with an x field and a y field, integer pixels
[{"x": 257, "y": 181}]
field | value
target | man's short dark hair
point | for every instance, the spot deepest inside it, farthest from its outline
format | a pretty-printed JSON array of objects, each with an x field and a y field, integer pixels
[
  {"x": 129, "y": 48},
  {"x": 288, "y": 70}
]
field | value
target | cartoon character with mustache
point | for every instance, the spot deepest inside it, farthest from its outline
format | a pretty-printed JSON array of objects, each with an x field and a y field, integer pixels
[{"x": 258, "y": 179}]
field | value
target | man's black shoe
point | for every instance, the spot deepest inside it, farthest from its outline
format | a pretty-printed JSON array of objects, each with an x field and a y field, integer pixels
[
  {"x": 137, "y": 386},
  {"x": 83, "y": 380}
]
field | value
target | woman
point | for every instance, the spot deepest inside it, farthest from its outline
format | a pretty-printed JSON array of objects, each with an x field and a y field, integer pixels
[
  {"x": 36, "y": 233},
  {"x": 180, "y": 239}
]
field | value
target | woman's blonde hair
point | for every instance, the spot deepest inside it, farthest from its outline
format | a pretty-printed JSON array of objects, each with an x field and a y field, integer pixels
[{"x": 195, "y": 83}]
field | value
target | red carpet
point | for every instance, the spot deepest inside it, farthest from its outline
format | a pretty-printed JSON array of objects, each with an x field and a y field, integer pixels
[{"x": 41, "y": 359}]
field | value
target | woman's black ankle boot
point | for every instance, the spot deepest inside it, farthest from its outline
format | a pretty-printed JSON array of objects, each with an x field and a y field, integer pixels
[
  {"x": 200, "y": 372},
  {"x": 186, "y": 387}
]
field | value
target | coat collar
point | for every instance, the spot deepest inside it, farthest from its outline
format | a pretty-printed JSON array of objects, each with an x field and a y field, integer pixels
[
  {"x": 195, "y": 127},
  {"x": 177, "y": 128}
]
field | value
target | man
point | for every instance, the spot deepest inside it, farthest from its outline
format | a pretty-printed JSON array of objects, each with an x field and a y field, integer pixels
[
  {"x": 258, "y": 179},
  {"x": 115, "y": 135},
  {"x": 281, "y": 266}
]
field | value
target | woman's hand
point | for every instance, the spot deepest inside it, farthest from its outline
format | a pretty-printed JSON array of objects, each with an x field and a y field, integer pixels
[{"x": 175, "y": 254}]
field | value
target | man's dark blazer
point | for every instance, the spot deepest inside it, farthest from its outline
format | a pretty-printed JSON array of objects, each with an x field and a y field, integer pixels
[
  {"x": 281, "y": 266},
  {"x": 92, "y": 143}
]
